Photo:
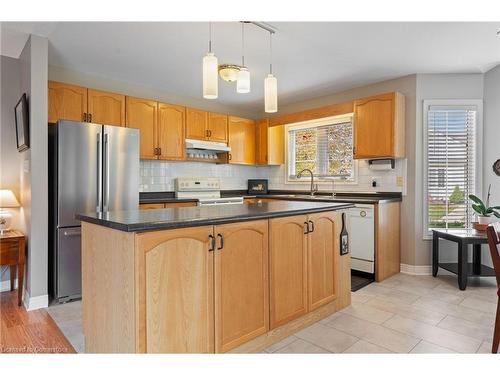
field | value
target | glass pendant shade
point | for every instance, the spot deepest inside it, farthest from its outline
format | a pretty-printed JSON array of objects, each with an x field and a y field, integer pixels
[
  {"x": 243, "y": 81},
  {"x": 271, "y": 94},
  {"x": 210, "y": 76}
]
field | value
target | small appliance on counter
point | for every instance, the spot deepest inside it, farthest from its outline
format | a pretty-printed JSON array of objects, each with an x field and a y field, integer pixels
[
  {"x": 257, "y": 187},
  {"x": 205, "y": 189}
]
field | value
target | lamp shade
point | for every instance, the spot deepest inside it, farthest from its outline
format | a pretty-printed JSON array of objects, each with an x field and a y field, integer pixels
[
  {"x": 243, "y": 81},
  {"x": 210, "y": 76},
  {"x": 271, "y": 94},
  {"x": 8, "y": 199}
]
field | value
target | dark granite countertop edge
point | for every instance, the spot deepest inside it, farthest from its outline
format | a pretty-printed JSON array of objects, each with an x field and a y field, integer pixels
[
  {"x": 368, "y": 198},
  {"x": 151, "y": 226}
]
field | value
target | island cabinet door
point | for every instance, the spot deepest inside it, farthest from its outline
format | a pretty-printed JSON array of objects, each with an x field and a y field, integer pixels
[
  {"x": 241, "y": 283},
  {"x": 175, "y": 288},
  {"x": 323, "y": 252},
  {"x": 288, "y": 269}
]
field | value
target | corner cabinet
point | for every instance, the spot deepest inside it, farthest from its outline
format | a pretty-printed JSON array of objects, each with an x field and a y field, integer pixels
[
  {"x": 379, "y": 126},
  {"x": 241, "y": 141},
  {"x": 269, "y": 143}
]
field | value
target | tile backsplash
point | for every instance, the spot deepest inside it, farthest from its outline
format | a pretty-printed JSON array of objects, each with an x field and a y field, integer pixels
[{"x": 159, "y": 175}]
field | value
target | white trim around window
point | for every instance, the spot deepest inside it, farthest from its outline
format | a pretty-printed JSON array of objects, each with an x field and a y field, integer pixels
[
  {"x": 317, "y": 123},
  {"x": 478, "y": 149}
]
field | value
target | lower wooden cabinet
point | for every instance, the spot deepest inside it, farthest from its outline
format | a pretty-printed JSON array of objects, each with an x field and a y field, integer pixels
[
  {"x": 323, "y": 249},
  {"x": 288, "y": 269},
  {"x": 303, "y": 255},
  {"x": 241, "y": 283},
  {"x": 176, "y": 270}
]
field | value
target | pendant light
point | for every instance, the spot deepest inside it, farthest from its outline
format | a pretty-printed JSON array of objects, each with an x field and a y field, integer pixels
[
  {"x": 210, "y": 71},
  {"x": 243, "y": 80},
  {"x": 270, "y": 84}
]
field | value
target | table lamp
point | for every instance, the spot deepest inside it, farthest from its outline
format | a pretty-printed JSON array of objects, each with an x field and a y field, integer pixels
[{"x": 7, "y": 200}]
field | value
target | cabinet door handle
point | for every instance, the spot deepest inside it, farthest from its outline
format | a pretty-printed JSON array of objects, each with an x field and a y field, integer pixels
[
  {"x": 307, "y": 227},
  {"x": 312, "y": 226},
  {"x": 90, "y": 117},
  {"x": 84, "y": 117},
  {"x": 159, "y": 150},
  {"x": 230, "y": 156},
  {"x": 221, "y": 241},
  {"x": 212, "y": 242},
  {"x": 354, "y": 150}
]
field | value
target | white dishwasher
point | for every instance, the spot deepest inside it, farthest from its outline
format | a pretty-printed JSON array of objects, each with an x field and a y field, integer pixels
[{"x": 362, "y": 237}]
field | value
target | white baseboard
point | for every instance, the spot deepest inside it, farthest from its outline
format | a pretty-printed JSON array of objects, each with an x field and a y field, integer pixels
[
  {"x": 35, "y": 303},
  {"x": 5, "y": 285},
  {"x": 416, "y": 270}
]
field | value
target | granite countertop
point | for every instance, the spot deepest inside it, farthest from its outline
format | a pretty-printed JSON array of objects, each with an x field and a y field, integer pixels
[
  {"x": 343, "y": 197},
  {"x": 171, "y": 218}
]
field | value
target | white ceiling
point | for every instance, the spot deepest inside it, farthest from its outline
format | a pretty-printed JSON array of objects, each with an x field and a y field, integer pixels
[{"x": 311, "y": 59}]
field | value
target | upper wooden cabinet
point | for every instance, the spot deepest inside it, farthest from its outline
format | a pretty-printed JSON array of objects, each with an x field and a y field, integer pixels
[
  {"x": 106, "y": 108},
  {"x": 241, "y": 283},
  {"x": 206, "y": 126},
  {"x": 196, "y": 124},
  {"x": 241, "y": 140},
  {"x": 269, "y": 143},
  {"x": 66, "y": 102},
  {"x": 176, "y": 289},
  {"x": 170, "y": 132},
  {"x": 142, "y": 115},
  {"x": 70, "y": 102},
  {"x": 379, "y": 123},
  {"x": 217, "y": 127},
  {"x": 288, "y": 269}
]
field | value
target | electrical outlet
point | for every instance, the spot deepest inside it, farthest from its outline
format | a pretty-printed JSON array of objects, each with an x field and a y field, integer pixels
[{"x": 400, "y": 181}]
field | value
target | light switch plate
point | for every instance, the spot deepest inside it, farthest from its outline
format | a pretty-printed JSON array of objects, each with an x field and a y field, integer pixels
[{"x": 400, "y": 181}]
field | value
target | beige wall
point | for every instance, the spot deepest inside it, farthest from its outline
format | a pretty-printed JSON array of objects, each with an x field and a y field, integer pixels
[{"x": 407, "y": 86}]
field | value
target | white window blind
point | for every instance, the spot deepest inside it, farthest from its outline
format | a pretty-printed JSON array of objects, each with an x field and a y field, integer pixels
[
  {"x": 450, "y": 165},
  {"x": 325, "y": 149}
]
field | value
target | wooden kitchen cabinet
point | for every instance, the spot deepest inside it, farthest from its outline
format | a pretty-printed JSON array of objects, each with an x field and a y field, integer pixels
[
  {"x": 379, "y": 123},
  {"x": 196, "y": 124},
  {"x": 323, "y": 249},
  {"x": 142, "y": 115},
  {"x": 387, "y": 240},
  {"x": 241, "y": 140},
  {"x": 241, "y": 283},
  {"x": 66, "y": 102},
  {"x": 217, "y": 127},
  {"x": 269, "y": 143},
  {"x": 287, "y": 269},
  {"x": 176, "y": 289},
  {"x": 170, "y": 132},
  {"x": 106, "y": 108}
]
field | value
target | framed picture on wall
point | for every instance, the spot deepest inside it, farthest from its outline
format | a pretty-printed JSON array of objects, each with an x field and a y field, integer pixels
[{"x": 22, "y": 124}]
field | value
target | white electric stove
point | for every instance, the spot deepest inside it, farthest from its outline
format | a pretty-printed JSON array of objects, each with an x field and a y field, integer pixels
[{"x": 205, "y": 189}]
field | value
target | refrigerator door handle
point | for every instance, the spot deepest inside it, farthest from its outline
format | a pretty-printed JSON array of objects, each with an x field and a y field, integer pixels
[
  {"x": 72, "y": 232},
  {"x": 106, "y": 171},
  {"x": 99, "y": 173}
]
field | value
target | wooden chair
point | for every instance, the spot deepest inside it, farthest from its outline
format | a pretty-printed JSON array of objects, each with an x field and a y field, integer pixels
[{"x": 493, "y": 232}]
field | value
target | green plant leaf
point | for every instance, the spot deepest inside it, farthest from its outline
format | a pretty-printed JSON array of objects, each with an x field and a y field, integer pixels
[
  {"x": 476, "y": 200},
  {"x": 496, "y": 207},
  {"x": 478, "y": 209},
  {"x": 496, "y": 214}
]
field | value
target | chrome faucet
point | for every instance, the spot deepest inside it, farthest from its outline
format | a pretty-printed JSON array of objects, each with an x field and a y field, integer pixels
[{"x": 314, "y": 188}]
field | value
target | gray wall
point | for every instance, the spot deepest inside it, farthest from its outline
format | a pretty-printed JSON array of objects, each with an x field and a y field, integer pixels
[
  {"x": 10, "y": 159},
  {"x": 34, "y": 169},
  {"x": 491, "y": 140}
]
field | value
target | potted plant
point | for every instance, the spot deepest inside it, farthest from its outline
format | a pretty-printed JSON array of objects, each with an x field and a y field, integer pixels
[{"x": 484, "y": 211}]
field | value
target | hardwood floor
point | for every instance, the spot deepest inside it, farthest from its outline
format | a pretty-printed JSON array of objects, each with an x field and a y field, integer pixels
[{"x": 24, "y": 331}]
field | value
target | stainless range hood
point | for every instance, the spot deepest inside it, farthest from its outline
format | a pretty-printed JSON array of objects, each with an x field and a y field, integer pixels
[{"x": 207, "y": 145}]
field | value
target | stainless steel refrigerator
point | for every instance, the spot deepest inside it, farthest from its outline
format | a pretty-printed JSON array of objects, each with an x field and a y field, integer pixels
[{"x": 92, "y": 168}]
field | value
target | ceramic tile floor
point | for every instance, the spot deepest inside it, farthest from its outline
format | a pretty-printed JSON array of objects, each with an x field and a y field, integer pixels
[{"x": 404, "y": 314}]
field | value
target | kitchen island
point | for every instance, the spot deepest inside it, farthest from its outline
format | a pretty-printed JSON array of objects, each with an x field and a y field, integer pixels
[{"x": 210, "y": 279}]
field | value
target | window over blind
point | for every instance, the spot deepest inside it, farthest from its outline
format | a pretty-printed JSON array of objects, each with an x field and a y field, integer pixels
[
  {"x": 451, "y": 165},
  {"x": 324, "y": 147}
]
